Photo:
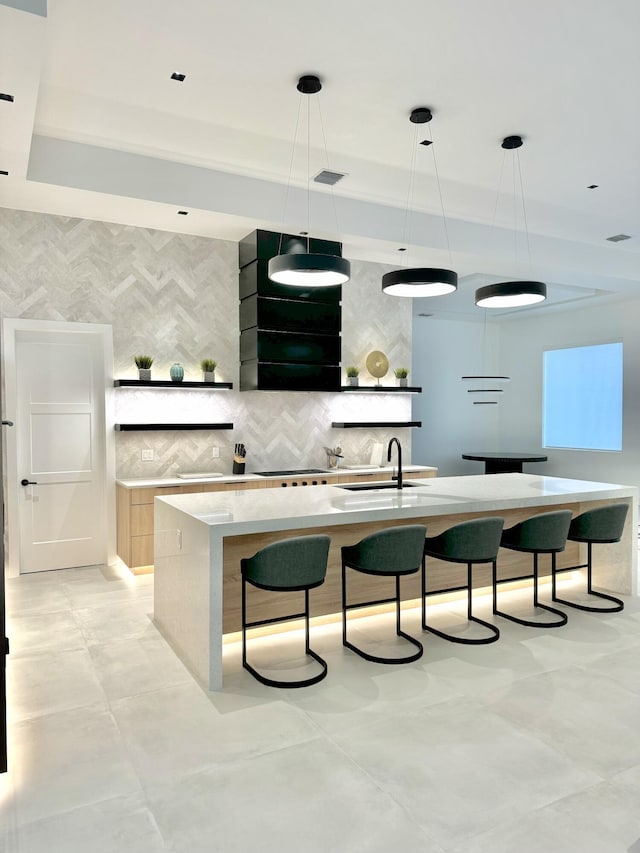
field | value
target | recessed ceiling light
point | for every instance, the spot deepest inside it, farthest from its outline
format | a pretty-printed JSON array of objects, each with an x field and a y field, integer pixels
[
  {"x": 426, "y": 142},
  {"x": 179, "y": 77},
  {"x": 183, "y": 213},
  {"x": 592, "y": 187},
  {"x": 5, "y": 97},
  {"x": 2, "y": 172},
  {"x": 617, "y": 238}
]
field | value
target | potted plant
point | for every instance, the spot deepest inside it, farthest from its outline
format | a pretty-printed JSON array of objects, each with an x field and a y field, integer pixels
[
  {"x": 401, "y": 375},
  {"x": 208, "y": 367},
  {"x": 352, "y": 375},
  {"x": 143, "y": 363}
]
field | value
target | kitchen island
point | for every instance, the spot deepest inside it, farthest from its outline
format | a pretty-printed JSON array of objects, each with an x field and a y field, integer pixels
[{"x": 200, "y": 538}]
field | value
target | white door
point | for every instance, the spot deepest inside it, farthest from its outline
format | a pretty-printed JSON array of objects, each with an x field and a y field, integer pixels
[{"x": 60, "y": 449}]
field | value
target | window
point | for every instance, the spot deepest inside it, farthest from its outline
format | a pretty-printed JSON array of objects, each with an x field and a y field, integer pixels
[{"x": 582, "y": 406}]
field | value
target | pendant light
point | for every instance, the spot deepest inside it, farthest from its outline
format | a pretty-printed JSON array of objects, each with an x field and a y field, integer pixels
[
  {"x": 421, "y": 281},
  {"x": 513, "y": 294},
  {"x": 485, "y": 388},
  {"x": 304, "y": 268}
]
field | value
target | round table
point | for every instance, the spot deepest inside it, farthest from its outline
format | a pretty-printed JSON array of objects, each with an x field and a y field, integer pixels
[{"x": 504, "y": 463}]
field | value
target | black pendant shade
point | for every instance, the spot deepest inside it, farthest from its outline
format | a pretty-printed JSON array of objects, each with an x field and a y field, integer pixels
[
  {"x": 421, "y": 281},
  {"x": 511, "y": 294},
  {"x": 309, "y": 270}
]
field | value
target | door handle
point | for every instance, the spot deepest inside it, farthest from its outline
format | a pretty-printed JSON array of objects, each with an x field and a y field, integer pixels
[
  {"x": 7, "y": 423},
  {"x": 26, "y": 482}
]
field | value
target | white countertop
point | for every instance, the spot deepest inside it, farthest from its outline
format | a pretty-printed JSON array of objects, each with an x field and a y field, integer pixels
[
  {"x": 258, "y": 510},
  {"x": 159, "y": 482}
]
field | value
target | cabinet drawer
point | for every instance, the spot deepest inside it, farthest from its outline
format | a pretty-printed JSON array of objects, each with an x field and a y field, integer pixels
[
  {"x": 141, "y": 519},
  {"x": 146, "y": 496},
  {"x": 141, "y": 550}
]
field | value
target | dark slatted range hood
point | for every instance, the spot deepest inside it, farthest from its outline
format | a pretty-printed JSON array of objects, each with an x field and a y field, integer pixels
[{"x": 289, "y": 336}]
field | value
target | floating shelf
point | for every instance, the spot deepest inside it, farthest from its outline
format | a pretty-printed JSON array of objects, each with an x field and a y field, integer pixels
[
  {"x": 375, "y": 424},
  {"x": 167, "y": 383},
  {"x": 382, "y": 389},
  {"x": 132, "y": 427}
]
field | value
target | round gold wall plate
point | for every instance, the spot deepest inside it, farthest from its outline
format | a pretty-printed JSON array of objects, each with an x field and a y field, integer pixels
[{"x": 377, "y": 364}]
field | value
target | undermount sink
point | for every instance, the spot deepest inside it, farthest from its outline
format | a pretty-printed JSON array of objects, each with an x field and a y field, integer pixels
[{"x": 370, "y": 487}]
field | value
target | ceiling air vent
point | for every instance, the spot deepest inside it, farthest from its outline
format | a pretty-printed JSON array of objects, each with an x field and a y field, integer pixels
[
  {"x": 617, "y": 238},
  {"x": 328, "y": 178}
]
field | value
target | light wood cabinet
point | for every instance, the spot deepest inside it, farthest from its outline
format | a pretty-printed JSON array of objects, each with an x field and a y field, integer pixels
[
  {"x": 135, "y": 507},
  {"x": 135, "y": 517}
]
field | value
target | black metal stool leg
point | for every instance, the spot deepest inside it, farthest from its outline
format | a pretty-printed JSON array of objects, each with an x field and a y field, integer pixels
[
  {"x": 244, "y": 622},
  {"x": 273, "y": 682},
  {"x": 531, "y": 623},
  {"x": 482, "y": 641},
  {"x": 399, "y": 632},
  {"x": 618, "y": 604}
]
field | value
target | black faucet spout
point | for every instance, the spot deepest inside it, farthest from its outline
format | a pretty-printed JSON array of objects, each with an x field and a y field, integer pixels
[{"x": 397, "y": 477}]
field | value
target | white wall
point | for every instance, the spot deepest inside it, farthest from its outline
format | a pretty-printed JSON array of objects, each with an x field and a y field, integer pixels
[
  {"x": 443, "y": 352},
  {"x": 522, "y": 343}
]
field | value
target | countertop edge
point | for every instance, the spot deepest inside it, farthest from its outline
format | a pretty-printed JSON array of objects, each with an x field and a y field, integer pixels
[
  {"x": 327, "y": 516},
  {"x": 161, "y": 482}
]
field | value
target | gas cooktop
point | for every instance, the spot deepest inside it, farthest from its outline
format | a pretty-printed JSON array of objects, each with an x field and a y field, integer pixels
[{"x": 290, "y": 473}]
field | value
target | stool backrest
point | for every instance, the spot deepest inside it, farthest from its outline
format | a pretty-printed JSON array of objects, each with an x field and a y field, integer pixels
[
  {"x": 293, "y": 563},
  {"x": 602, "y": 524},
  {"x": 475, "y": 541},
  {"x": 395, "y": 548},
  {"x": 545, "y": 532}
]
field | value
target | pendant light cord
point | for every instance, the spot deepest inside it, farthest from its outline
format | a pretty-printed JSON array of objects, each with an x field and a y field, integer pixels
[
  {"x": 444, "y": 218},
  {"x": 328, "y": 165},
  {"x": 495, "y": 206},
  {"x": 410, "y": 189},
  {"x": 293, "y": 153},
  {"x": 524, "y": 211},
  {"x": 308, "y": 169}
]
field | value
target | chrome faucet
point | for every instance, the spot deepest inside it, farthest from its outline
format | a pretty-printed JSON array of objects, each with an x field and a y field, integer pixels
[{"x": 397, "y": 477}]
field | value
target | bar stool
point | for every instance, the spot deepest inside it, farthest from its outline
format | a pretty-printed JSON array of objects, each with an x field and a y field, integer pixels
[
  {"x": 603, "y": 524},
  {"x": 392, "y": 552},
  {"x": 295, "y": 564},
  {"x": 545, "y": 533},
  {"x": 470, "y": 542}
]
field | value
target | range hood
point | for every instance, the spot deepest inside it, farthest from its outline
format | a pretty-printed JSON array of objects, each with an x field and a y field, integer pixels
[{"x": 289, "y": 336}]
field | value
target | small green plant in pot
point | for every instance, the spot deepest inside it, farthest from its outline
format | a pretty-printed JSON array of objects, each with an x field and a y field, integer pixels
[
  {"x": 401, "y": 375},
  {"x": 352, "y": 375},
  {"x": 143, "y": 363},
  {"x": 208, "y": 367}
]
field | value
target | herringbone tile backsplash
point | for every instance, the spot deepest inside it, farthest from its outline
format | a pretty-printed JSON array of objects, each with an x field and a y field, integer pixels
[{"x": 175, "y": 297}]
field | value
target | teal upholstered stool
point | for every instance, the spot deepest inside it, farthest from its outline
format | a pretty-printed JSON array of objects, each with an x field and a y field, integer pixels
[
  {"x": 545, "y": 533},
  {"x": 470, "y": 542},
  {"x": 294, "y": 564},
  {"x": 603, "y": 524},
  {"x": 393, "y": 552}
]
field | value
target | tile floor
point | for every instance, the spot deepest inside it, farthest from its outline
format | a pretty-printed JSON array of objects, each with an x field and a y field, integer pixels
[{"x": 530, "y": 744}]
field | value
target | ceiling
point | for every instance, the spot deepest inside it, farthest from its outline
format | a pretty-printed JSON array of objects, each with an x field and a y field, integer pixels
[{"x": 98, "y": 129}]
